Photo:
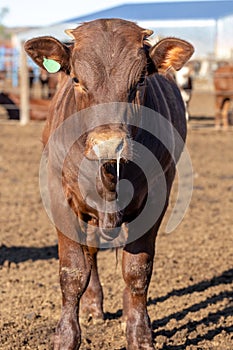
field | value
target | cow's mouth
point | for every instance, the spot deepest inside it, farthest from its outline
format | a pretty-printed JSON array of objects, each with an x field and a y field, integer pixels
[{"x": 110, "y": 175}]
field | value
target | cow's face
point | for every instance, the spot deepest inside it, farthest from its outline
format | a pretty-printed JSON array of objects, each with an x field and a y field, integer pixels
[{"x": 108, "y": 62}]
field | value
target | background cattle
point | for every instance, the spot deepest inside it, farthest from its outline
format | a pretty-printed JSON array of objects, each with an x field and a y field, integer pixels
[
  {"x": 11, "y": 103},
  {"x": 184, "y": 81},
  {"x": 111, "y": 68},
  {"x": 223, "y": 84}
]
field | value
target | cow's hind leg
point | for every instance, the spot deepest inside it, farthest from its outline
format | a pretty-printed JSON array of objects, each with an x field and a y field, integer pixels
[
  {"x": 75, "y": 269},
  {"x": 92, "y": 299},
  {"x": 137, "y": 268}
]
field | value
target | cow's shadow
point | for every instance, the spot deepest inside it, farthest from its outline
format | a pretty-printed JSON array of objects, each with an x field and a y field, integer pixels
[
  {"x": 21, "y": 254},
  {"x": 226, "y": 278},
  {"x": 158, "y": 326}
]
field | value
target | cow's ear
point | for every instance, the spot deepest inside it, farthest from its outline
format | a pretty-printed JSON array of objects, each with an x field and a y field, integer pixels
[
  {"x": 49, "y": 53},
  {"x": 170, "y": 53}
]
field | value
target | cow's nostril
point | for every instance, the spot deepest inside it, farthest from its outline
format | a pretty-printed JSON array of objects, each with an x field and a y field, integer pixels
[{"x": 119, "y": 148}]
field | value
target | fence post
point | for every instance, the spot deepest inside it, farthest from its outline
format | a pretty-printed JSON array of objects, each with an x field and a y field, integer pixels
[{"x": 24, "y": 87}]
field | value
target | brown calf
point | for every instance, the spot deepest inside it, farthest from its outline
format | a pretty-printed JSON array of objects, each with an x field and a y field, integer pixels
[{"x": 109, "y": 73}]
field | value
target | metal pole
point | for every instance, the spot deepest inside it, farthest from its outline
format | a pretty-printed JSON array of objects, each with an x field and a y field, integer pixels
[{"x": 24, "y": 87}]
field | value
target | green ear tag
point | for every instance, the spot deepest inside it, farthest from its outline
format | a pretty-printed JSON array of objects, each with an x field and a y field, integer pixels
[{"x": 51, "y": 66}]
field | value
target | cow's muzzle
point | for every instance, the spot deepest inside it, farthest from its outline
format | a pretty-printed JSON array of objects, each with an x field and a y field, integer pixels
[
  {"x": 109, "y": 149},
  {"x": 107, "y": 146}
]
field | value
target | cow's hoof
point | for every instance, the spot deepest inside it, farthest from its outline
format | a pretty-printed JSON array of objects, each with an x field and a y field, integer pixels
[
  {"x": 86, "y": 320},
  {"x": 91, "y": 312},
  {"x": 91, "y": 316},
  {"x": 66, "y": 341}
]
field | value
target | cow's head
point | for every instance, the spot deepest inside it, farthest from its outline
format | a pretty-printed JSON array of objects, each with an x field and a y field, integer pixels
[{"x": 108, "y": 62}]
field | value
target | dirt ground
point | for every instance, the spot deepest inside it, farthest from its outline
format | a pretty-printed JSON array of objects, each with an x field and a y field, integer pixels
[{"x": 190, "y": 297}]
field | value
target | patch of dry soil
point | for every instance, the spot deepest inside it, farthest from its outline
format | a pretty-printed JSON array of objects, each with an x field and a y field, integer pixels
[{"x": 190, "y": 296}]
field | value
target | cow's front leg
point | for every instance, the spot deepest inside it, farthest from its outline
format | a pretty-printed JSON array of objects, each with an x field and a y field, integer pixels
[
  {"x": 137, "y": 269},
  {"x": 75, "y": 269}
]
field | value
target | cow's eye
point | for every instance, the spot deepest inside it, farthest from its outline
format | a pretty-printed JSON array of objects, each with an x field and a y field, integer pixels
[
  {"x": 75, "y": 80},
  {"x": 141, "y": 81}
]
